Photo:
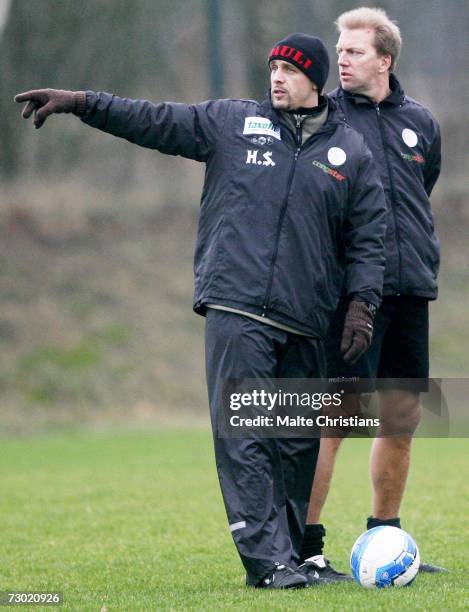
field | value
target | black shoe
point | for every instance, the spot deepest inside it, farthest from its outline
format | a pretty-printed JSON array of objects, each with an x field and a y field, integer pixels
[
  {"x": 283, "y": 577},
  {"x": 318, "y": 570},
  {"x": 426, "y": 568},
  {"x": 310, "y": 574}
]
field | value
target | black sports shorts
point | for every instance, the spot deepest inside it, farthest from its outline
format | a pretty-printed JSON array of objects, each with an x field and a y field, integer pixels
[{"x": 399, "y": 348}]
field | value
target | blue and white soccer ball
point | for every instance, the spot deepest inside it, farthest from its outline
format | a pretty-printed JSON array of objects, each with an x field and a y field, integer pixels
[{"x": 383, "y": 557}]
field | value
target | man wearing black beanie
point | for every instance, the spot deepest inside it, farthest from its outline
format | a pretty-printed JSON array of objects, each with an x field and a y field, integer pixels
[
  {"x": 307, "y": 53},
  {"x": 292, "y": 208}
]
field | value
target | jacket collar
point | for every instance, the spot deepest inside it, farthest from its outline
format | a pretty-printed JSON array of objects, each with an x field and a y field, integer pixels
[
  {"x": 334, "y": 114},
  {"x": 395, "y": 98}
]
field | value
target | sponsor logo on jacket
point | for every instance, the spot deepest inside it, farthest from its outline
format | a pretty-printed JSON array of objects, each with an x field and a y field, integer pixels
[
  {"x": 262, "y": 140},
  {"x": 261, "y": 125},
  {"x": 328, "y": 170},
  {"x": 413, "y": 158}
]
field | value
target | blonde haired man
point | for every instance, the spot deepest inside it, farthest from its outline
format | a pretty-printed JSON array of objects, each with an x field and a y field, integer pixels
[{"x": 405, "y": 141}]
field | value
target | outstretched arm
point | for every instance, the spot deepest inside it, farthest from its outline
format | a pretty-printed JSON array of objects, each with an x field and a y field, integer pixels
[{"x": 175, "y": 129}]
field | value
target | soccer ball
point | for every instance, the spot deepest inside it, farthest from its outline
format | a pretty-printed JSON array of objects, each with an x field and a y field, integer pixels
[{"x": 383, "y": 557}]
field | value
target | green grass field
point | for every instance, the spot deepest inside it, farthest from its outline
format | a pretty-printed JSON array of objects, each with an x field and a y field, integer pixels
[{"x": 134, "y": 521}]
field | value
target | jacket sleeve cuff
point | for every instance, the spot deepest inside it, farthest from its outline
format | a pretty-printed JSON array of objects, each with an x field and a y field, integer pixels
[
  {"x": 80, "y": 103},
  {"x": 369, "y": 297}
]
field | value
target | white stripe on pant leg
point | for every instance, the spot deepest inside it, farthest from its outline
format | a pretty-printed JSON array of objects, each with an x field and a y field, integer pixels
[{"x": 236, "y": 526}]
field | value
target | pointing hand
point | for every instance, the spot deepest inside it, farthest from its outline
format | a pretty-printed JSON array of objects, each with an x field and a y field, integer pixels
[{"x": 44, "y": 102}]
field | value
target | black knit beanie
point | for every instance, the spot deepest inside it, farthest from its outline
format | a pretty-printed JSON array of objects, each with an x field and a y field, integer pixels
[{"x": 307, "y": 53}]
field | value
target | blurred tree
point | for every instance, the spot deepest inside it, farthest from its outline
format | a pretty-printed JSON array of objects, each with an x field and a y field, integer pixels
[
  {"x": 255, "y": 50},
  {"x": 215, "y": 54}
]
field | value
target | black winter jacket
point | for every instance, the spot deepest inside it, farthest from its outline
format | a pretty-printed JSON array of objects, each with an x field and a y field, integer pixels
[
  {"x": 405, "y": 141},
  {"x": 280, "y": 224}
]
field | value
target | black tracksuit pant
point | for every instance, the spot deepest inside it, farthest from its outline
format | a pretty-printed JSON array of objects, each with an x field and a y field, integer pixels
[{"x": 265, "y": 482}]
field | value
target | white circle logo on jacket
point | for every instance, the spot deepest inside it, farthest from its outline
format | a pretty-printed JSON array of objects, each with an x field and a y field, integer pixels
[
  {"x": 336, "y": 156},
  {"x": 409, "y": 137}
]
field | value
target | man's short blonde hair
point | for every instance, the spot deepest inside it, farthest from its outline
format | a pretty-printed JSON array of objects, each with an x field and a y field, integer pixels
[{"x": 388, "y": 39}]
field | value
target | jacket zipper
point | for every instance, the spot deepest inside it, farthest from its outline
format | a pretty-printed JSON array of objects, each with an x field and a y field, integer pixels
[
  {"x": 281, "y": 217},
  {"x": 393, "y": 195}
]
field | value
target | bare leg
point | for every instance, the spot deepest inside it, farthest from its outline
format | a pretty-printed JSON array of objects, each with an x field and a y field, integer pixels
[
  {"x": 326, "y": 460},
  {"x": 390, "y": 454},
  {"x": 322, "y": 478}
]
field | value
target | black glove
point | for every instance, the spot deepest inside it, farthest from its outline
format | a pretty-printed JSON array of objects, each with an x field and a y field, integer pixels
[
  {"x": 44, "y": 102},
  {"x": 358, "y": 331}
]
